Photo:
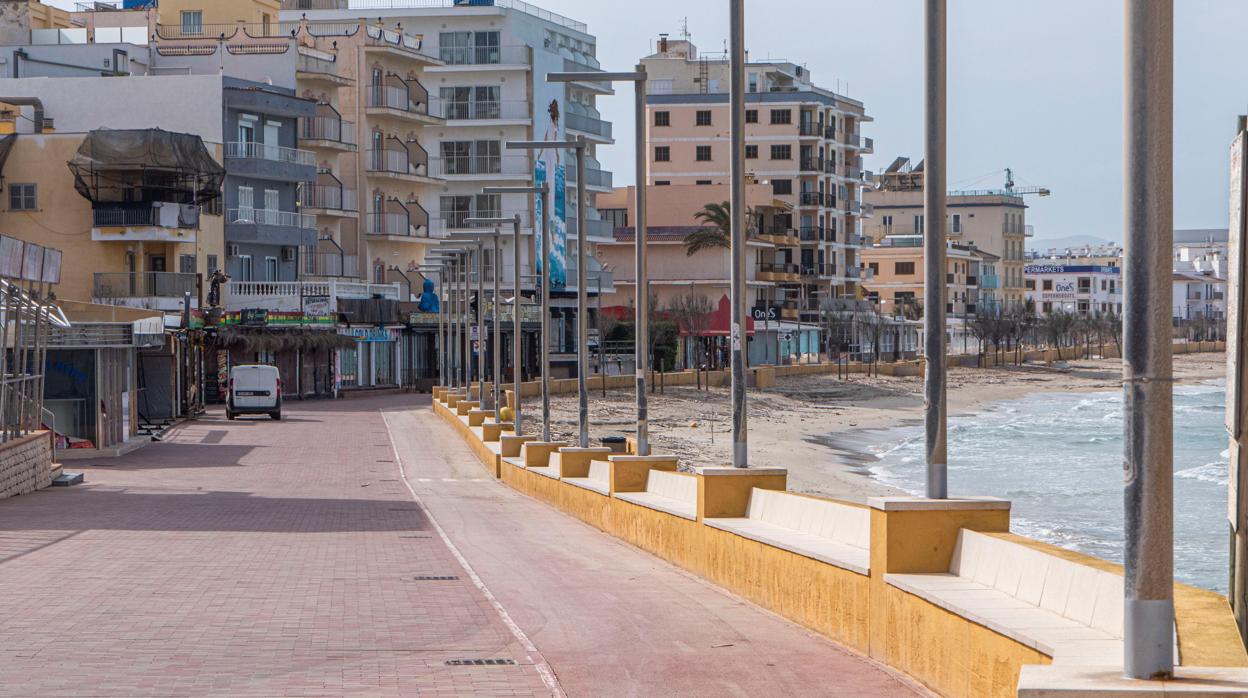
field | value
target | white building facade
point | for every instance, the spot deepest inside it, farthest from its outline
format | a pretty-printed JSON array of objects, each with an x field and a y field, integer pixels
[{"x": 1078, "y": 289}]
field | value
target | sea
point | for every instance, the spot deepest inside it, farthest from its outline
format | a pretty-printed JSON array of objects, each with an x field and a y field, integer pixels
[{"x": 1058, "y": 458}]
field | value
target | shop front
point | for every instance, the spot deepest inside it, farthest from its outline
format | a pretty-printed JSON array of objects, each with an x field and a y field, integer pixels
[{"x": 372, "y": 361}]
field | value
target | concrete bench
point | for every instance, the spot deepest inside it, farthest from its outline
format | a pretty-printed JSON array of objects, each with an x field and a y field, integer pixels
[
  {"x": 597, "y": 479},
  {"x": 493, "y": 431},
  {"x": 831, "y": 532},
  {"x": 536, "y": 454},
  {"x": 477, "y": 417},
  {"x": 1071, "y": 612},
  {"x": 510, "y": 444},
  {"x": 673, "y": 493},
  {"x": 462, "y": 407}
]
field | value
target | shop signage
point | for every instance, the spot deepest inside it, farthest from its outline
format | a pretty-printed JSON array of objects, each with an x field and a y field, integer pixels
[
  {"x": 317, "y": 306},
  {"x": 765, "y": 314},
  {"x": 274, "y": 318},
  {"x": 254, "y": 317},
  {"x": 371, "y": 334}
]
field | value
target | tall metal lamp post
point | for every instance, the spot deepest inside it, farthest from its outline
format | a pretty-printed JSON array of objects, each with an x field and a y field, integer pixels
[
  {"x": 740, "y": 430},
  {"x": 440, "y": 270},
  {"x": 496, "y": 342},
  {"x": 642, "y": 348},
  {"x": 934, "y": 382},
  {"x": 454, "y": 258}
]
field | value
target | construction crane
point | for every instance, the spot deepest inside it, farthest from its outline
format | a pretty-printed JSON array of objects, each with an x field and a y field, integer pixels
[{"x": 1008, "y": 190}]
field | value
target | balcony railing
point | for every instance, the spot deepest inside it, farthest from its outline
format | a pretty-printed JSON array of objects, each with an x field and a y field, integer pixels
[
  {"x": 308, "y": 63},
  {"x": 334, "y": 264},
  {"x": 145, "y": 284},
  {"x": 484, "y": 55},
  {"x": 588, "y": 124},
  {"x": 810, "y": 164},
  {"x": 829, "y": 133},
  {"x": 481, "y": 111},
  {"x": 264, "y": 216},
  {"x": 518, "y": 165},
  {"x": 287, "y": 296},
  {"x": 596, "y": 228},
  {"x": 393, "y": 224},
  {"x": 779, "y": 268},
  {"x": 811, "y": 198},
  {"x": 397, "y": 98},
  {"x": 812, "y": 233},
  {"x": 132, "y": 216},
  {"x": 392, "y": 161},
  {"x": 275, "y": 153},
  {"x": 329, "y": 197},
  {"x": 808, "y": 129},
  {"x": 593, "y": 177},
  {"x": 191, "y": 30},
  {"x": 445, "y": 221},
  {"x": 818, "y": 269},
  {"x": 327, "y": 128}
]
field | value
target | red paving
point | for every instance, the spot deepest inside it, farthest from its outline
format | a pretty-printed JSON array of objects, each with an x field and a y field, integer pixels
[{"x": 260, "y": 558}]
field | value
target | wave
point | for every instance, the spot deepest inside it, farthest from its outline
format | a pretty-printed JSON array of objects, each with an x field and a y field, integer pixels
[{"x": 1216, "y": 473}]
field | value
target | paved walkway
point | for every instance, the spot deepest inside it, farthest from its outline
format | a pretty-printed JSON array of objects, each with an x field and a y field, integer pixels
[{"x": 261, "y": 558}]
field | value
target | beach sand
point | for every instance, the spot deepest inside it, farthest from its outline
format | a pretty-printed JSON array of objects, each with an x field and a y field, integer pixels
[{"x": 821, "y": 427}]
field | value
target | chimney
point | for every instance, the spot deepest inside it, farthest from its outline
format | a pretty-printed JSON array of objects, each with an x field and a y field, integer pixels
[{"x": 662, "y": 43}]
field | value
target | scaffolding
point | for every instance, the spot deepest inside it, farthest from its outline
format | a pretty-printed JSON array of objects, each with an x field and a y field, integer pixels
[{"x": 27, "y": 314}]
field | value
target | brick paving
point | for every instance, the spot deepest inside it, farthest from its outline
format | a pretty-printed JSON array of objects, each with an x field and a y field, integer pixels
[
  {"x": 259, "y": 558},
  {"x": 251, "y": 558}
]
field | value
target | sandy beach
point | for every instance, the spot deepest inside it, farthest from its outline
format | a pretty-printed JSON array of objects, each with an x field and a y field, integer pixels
[{"x": 820, "y": 427}]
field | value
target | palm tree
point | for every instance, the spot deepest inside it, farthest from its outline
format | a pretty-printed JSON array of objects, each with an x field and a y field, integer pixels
[{"x": 718, "y": 233}]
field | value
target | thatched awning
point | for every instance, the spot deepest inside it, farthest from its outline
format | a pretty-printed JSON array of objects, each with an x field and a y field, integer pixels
[{"x": 284, "y": 339}]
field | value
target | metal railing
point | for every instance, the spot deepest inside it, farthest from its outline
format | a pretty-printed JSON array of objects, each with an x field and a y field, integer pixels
[
  {"x": 145, "y": 284},
  {"x": 811, "y": 233},
  {"x": 234, "y": 29},
  {"x": 587, "y": 124},
  {"x": 811, "y": 164},
  {"x": 810, "y": 198},
  {"x": 517, "y": 5},
  {"x": 275, "y": 153},
  {"x": 125, "y": 217},
  {"x": 334, "y": 198},
  {"x": 397, "y": 98},
  {"x": 327, "y": 128},
  {"x": 393, "y": 161},
  {"x": 446, "y": 221},
  {"x": 593, "y": 177},
  {"x": 264, "y": 216},
  {"x": 818, "y": 269},
  {"x": 808, "y": 129},
  {"x": 334, "y": 264},
  {"x": 519, "y": 165},
  {"x": 391, "y": 224},
  {"x": 778, "y": 268},
  {"x": 484, "y": 55},
  {"x": 472, "y": 110}
]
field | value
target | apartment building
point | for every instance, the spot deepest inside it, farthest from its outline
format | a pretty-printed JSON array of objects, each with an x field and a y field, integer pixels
[
  {"x": 486, "y": 87},
  {"x": 993, "y": 221},
  {"x": 1201, "y": 275},
  {"x": 802, "y": 140}
]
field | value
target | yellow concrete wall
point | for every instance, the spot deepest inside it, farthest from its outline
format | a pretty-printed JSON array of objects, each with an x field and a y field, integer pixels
[{"x": 221, "y": 11}]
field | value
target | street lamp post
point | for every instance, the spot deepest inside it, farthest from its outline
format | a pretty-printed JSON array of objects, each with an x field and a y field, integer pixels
[
  {"x": 642, "y": 323},
  {"x": 497, "y": 341},
  {"x": 934, "y": 382},
  {"x": 451, "y": 257},
  {"x": 440, "y": 270},
  {"x": 740, "y": 430}
]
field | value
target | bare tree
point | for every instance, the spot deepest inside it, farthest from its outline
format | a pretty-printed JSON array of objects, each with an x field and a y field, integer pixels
[{"x": 692, "y": 313}]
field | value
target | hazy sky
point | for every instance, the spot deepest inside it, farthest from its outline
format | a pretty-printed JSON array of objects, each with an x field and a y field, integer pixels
[{"x": 1033, "y": 85}]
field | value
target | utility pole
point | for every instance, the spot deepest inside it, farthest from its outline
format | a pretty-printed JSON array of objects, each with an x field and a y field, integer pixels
[
  {"x": 1148, "y": 373},
  {"x": 934, "y": 382},
  {"x": 740, "y": 427},
  {"x": 1237, "y": 379}
]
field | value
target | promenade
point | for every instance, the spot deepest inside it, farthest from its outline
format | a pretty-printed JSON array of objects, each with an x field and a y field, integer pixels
[{"x": 358, "y": 548}]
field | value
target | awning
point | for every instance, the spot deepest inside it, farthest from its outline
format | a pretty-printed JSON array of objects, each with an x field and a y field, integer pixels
[
  {"x": 284, "y": 339},
  {"x": 145, "y": 165},
  {"x": 721, "y": 320}
]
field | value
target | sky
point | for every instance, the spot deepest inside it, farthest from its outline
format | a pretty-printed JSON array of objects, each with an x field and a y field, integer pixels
[{"x": 1033, "y": 86}]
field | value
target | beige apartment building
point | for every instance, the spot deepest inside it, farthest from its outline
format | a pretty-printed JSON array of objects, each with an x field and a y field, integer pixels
[
  {"x": 803, "y": 141},
  {"x": 993, "y": 221}
]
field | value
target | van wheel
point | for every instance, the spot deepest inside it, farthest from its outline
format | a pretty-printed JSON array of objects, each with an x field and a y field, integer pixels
[{"x": 275, "y": 416}]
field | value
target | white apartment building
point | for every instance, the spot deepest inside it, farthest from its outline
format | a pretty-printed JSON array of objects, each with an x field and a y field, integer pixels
[
  {"x": 490, "y": 88},
  {"x": 1200, "y": 274},
  {"x": 1073, "y": 286}
]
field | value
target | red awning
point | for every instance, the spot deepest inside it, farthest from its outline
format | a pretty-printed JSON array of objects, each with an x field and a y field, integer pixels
[{"x": 721, "y": 320}]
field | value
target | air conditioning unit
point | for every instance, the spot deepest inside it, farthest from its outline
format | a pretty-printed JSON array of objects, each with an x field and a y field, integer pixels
[
  {"x": 231, "y": 250},
  {"x": 288, "y": 254}
]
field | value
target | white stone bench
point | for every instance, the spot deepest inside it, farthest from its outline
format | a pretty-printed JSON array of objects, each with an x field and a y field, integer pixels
[
  {"x": 668, "y": 492},
  {"x": 1069, "y": 611},
  {"x": 599, "y": 479},
  {"x": 831, "y": 532}
]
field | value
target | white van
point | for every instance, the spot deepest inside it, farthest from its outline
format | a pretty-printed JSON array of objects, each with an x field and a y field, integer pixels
[{"x": 254, "y": 389}]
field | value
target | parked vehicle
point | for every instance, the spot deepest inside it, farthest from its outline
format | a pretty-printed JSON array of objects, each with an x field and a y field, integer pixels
[{"x": 254, "y": 389}]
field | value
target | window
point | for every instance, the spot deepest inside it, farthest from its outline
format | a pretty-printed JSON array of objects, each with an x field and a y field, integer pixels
[
  {"x": 781, "y": 187},
  {"x": 703, "y": 117},
  {"x": 888, "y": 223},
  {"x": 918, "y": 225},
  {"x": 471, "y": 102},
  {"x": 662, "y": 118},
  {"x": 471, "y": 157},
  {"x": 193, "y": 22},
  {"x": 903, "y": 268},
  {"x": 703, "y": 182},
  {"x": 1085, "y": 284},
  {"x": 751, "y": 152},
  {"x": 1046, "y": 307},
  {"x": 751, "y": 116},
  {"x": 957, "y": 222},
  {"x": 781, "y": 116},
  {"x": 874, "y": 267},
  {"x": 617, "y": 216},
  {"x": 270, "y": 269},
  {"x": 1047, "y": 286},
  {"x": 781, "y": 152},
  {"x": 469, "y": 48},
  {"x": 753, "y": 80},
  {"x": 703, "y": 153},
  {"x": 186, "y": 263},
  {"x": 245, "y": 271},
  {"x": 23, "y": 197},
  {"x": 662, "y": 183},
  {"x": 212, "y": 264},
  {"x": 662, "y": 153},
  {"x": 1031, "y": 284}
]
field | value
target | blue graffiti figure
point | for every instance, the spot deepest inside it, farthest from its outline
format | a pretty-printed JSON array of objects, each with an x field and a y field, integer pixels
[{"x": 429, "y": 300}]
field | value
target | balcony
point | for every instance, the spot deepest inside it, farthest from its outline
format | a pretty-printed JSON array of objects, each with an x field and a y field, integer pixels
[
  {"x": 493, "y": 57},
  {"x": 288, "y": 296},
  {"x": 595, "y": 179},
  {"x": 327, "y": 133},
  {"x": 150, "y": 222},
  {"x": 153, "y": 290},
  {"x": 274, "y": 162},
  {"x": 398, "y": 164},
  {"x": 517, "y": 111},
  {"x": 446, "y": 221},
  {"x": 408, "y": 102},
  {"x": 270, "y": 226},
  {"x": 599, "y": 229},
  {"x": 821, "y": 270},
  {"x": 812, "y": 233},
  {"x": 810, "y": 164},
  {"x": 411, "y": 225},
  {"x": 779, "y": 235},
  {"x": 394, "y": 43},
  {"x": 829, "y": 133},
  {"x": 591, "y": 127},
  {"x": 810, "y": 198},
  {"x": 483, "y": 167},
  {"x": 778, "y": 271},
  {"x": 328, "y": 200},
  {"x": 321, "y": 68},
  {"x": 809, "y": 130}
]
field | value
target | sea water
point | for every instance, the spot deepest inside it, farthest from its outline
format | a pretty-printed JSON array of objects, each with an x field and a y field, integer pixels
[{"x": 1058, "y": 458}]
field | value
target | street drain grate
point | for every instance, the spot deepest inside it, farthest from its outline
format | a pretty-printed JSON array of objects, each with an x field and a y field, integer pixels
[
  {"x": 408, "y": 510},
  {"x": 415, "y": 536},
  {"x": 435, "y": 578},
  {"x": 480, "y": 662}
]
